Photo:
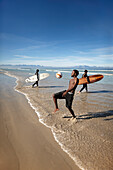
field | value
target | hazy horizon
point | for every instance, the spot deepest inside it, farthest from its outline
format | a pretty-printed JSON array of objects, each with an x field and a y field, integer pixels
[{"x": 70, "y": 67}]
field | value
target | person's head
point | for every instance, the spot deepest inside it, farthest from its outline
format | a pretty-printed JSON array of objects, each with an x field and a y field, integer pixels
[
  {"x": 37, "y": 70},
  {"x": 85, "y": 71},
  {"x": 74, "y": 73}
]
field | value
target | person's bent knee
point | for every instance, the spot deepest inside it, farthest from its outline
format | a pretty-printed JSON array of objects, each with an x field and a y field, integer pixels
[{"x": 53, "y": 95}]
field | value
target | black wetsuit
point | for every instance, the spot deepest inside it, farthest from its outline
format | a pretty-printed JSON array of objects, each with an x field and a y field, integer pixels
[
  {"x": 68, "y": 97},
  {"x": 37, "y": 78},
  {"x": 84, "y": 85}
]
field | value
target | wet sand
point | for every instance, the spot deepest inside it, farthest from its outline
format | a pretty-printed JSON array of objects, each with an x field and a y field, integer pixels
[
  {"x": 25, "y": 143},
  {"x": 89, "y": 142}
]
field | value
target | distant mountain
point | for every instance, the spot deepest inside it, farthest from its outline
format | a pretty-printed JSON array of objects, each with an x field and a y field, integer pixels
[
  {"x": 83, "y": 67},
  {"x": 93, "y": 67}
]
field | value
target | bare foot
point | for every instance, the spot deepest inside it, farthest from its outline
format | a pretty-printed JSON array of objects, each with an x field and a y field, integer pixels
[
  {"x": 78, "y": 92},
  {"x": 56, "y": 110},
  {"x": 73, "y": 119}
]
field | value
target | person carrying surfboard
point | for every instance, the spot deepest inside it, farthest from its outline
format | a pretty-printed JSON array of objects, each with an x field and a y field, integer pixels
[
  {"x": 84, "y": 85},
  {"x": 68, "y": 94},
  {"x": 37, "y": 73}
]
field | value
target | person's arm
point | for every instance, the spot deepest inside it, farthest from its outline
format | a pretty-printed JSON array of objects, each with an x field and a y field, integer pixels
[{"x": 83, "y": 75}]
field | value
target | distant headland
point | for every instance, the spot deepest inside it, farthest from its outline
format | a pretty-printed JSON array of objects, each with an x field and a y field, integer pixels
[{"x": 70, "y": 67}]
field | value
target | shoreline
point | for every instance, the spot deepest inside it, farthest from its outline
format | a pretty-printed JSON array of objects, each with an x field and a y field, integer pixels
[
  {"x": 52, "y": 131},
  {"x": 76, "y": 140},
  {"x": 33, "y": 108}
]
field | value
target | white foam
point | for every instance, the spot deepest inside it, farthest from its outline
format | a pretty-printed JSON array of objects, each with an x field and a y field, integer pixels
[
  {"x": 103, "y": 70},
  {"x": 10, "y": 75},
  {"x": 92, "y": 73},
  {"x": 63, "y": 71},
  {"x": 23, "y": 69},
  {"x": 78, "y": 163},
  {"x": 53, "y": 70},
  {"x": 82, "y": 72}
]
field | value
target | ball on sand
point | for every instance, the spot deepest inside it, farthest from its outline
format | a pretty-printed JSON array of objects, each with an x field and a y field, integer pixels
[{"x": 58, "y": 75}]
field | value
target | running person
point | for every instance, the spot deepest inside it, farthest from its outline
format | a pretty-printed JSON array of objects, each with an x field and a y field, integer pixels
[{"x": 68, "y": 94}]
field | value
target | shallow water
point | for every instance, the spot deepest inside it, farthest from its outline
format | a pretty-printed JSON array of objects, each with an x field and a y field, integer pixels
[{"x": 89, "y": 141}]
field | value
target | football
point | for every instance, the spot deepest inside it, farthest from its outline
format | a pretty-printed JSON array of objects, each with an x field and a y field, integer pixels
[{"x": 58, "y": 75}]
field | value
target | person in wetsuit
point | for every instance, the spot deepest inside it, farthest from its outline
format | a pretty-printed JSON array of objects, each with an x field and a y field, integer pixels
[
  {"x": 68, "y": 94},
  {"x": 37, "y": 73},
  {"x": 84, "y": 85}
]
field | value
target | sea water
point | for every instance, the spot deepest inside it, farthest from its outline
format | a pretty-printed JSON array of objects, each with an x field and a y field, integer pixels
[{"x": 89, "y": 141}]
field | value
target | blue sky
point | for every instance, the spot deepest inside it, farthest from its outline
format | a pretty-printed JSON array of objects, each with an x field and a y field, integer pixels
[{"x": 56, "y": 32}]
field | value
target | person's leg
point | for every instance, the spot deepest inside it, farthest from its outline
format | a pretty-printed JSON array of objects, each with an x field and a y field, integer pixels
[
  {"x": 72, "y": 112},
  {"x": 86, "y": 88},
  {"x": 82, "y": 88},
  {"x": 55, "y": 102},
  {"x": 55, "y": 97},
  {"x": 37, "y": 83},
  {"x": 33, "y": 84},
  {"x": 69, "y": 100}
]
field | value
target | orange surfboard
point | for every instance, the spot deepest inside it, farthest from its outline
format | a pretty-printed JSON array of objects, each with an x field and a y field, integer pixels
[{"x": 90, "y": 79}]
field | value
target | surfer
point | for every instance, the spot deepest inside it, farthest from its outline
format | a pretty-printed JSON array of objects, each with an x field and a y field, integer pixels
[
  {"x": 84, "y": 85},
  {"x": 37, "y": 73},
  {"x": 68, "y": 94}
]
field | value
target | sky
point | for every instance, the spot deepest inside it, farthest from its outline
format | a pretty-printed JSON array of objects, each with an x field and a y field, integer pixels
[{"x": 56, "y": 32}]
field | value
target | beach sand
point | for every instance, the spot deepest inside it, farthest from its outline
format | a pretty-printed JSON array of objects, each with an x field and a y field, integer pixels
[
  {"x": 88, "y": 142},
  {"x": 25, "y": 143}
]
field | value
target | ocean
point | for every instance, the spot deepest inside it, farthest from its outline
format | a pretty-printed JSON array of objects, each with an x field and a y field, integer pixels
[{"x": 89, "y": 141}]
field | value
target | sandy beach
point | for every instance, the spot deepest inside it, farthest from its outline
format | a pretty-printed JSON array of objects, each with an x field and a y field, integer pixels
[
  {"x": 26, "y": 114},
  {"x": 25, "y": 143}
]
